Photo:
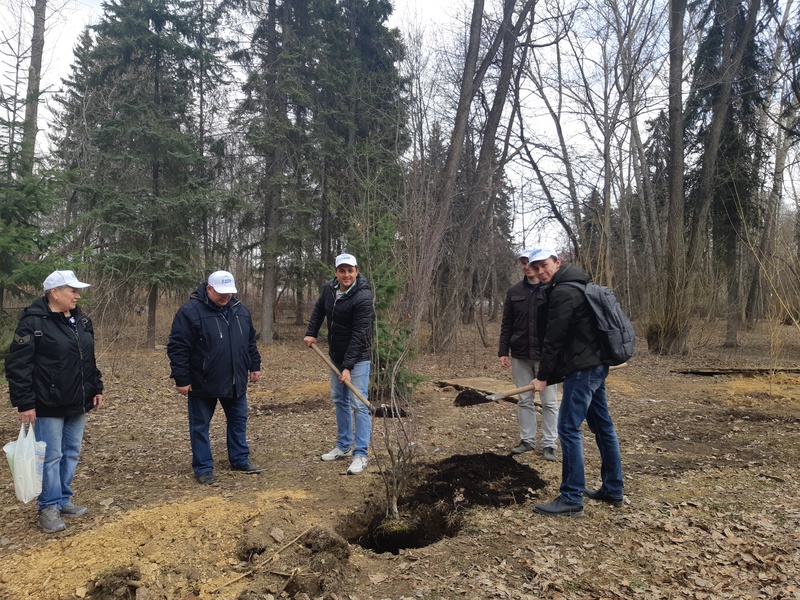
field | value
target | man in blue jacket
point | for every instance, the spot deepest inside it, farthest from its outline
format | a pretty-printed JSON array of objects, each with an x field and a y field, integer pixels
[
  {"x": 212, "y": 352},
  {"x": 571, "y": 352}
]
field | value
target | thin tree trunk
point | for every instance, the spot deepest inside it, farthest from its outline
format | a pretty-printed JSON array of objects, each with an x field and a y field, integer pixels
[
  {"x": 668, "y": 332},
  {"x": 31, "y": 127}
]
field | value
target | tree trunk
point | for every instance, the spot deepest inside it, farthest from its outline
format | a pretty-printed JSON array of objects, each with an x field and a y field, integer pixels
[
  {"x": 31, "y": 127},
  {"x": 731, "y": 65},
  {"x": 481, "y": 197},
  {"x": 152, "y": 300},
  {"x": 668, "y": 331}
]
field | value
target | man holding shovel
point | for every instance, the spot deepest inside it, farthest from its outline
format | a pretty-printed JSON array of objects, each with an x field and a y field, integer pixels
[
  {"x": 518, "y": 335},
  {"x": 572, "y": 353},
  {"x": 346, "y": 303}
]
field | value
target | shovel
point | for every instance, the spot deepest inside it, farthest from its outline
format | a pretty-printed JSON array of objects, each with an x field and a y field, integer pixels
[
  {"x": 349, "y": 385},
  {"x": 383, "y": 411},
  {"x": 470, "y": 397}
]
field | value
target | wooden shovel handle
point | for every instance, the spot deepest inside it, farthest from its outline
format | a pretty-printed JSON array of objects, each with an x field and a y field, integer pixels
[
  {"x": 506, "y": 393},
  {"x": 333, "y": 368},
  {"x": 521, "y": 390}
]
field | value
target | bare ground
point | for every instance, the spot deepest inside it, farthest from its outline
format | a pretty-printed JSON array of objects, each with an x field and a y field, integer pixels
[{"x": 710, "y": 464}]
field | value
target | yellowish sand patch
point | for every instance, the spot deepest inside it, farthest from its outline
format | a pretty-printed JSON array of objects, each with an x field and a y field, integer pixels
[{"x": 194, "y": 539}]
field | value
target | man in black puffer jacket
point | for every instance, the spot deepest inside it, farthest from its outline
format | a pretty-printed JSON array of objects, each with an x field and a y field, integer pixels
[
  {"x": 571, "y": 352},
  {"x": 213, "y": 354},
  {"x": 346, "y": 303}
]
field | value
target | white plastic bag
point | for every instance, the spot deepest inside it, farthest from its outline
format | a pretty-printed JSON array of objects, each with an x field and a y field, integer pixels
[{"x": 26, "y": 459}]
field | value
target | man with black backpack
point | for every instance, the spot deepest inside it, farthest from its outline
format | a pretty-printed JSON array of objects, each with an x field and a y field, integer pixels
[{"x": 572, "y": 353}]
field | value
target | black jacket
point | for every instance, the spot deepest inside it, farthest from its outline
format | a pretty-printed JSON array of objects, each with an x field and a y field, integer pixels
[
  {"x": 568, "y": 328},
  {"x": 51, "y": 366},
  {"x": 350, "y": 320},
  {"x": 518, "y": 331},
  {"x": 211, "y": 348}
]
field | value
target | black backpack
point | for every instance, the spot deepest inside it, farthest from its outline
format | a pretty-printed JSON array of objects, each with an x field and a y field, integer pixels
[{"x": 616, "y": 332}]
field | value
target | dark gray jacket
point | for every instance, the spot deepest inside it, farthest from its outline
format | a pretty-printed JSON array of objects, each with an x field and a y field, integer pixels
[{"x": 518, "y": 331}]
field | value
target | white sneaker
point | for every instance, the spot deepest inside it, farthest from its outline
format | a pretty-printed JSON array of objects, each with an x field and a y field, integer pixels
[
  {"x": 336, "y": 454},
  {"x": 359, "y": 464}
]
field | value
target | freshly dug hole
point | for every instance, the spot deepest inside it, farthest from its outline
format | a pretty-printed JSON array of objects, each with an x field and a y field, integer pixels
[{"x": 434, "y": 509}]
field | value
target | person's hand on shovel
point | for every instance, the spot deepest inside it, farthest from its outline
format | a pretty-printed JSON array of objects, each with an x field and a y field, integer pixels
[
  {"x": 538, "y": 385},
  {"x": 309, "y": 341}
]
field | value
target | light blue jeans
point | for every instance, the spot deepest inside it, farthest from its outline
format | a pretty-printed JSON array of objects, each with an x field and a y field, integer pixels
[
  {"x": 63, "y": 436},
  {"x": 585, "y": 399},
  {"x": 350, "y": 409}
]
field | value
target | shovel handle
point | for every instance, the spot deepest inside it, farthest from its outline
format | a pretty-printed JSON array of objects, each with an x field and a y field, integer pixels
[
  {"x": 521, "y": 390},
  {"x": 500, "y": 395},
  {"x": 333, "y": 368}
]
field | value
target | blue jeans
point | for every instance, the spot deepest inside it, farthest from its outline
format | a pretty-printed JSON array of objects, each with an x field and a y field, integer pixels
[
  {"x": 585, "y": 399},
  {"x": 63, "y": 436},
  {"x": 201, "y": 410},
  {"x": 347, "y": 405}
]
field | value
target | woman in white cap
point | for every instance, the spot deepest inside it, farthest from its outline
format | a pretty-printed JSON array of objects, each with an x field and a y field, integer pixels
[
  {"x": 346, "y": 303},
  {"x": 53, "y": 381}
]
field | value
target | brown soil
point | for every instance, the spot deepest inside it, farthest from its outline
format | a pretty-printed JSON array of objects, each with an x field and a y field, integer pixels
[{"x": 710, "y": 464}]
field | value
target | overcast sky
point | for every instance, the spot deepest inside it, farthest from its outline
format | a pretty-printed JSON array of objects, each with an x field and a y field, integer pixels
[{"x": 66, "y": 23}]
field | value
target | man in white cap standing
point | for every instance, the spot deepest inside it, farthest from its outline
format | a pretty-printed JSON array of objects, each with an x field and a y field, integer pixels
[
  {"x": 519, "y": 337},
  {"x": 213, "y": 354}
]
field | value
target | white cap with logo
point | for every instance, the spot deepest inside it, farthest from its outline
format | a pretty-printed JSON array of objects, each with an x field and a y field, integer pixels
[
  {"x": 58, "y": 279},
  {"x": 542, "y": 253},
  {"x": 222, "y": 282},
  {"x": 524, "y": 254},
  {"x": 346, "y": 259}
]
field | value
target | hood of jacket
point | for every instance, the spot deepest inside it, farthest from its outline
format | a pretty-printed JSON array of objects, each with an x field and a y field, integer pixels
[
  {"x": 359, "y": 284},
  {"x": 570, "y": 272},
  {"x": 41, "y": 308},
  {"x": 201, "y": 295}
]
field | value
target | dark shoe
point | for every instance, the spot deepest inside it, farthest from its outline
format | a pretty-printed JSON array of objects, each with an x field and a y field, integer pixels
[
  {"x": 603, "y": 497},
  {"x": 248, "y": 467},
  {"x": 522, "y": 447},
  {"x": 560, "y": 508},
  {"x": 73, "y": 510},
  {"x": 550, "y": 454},
  {"x": 206, "y": 478},
  {"x": 50, "y": 520}
]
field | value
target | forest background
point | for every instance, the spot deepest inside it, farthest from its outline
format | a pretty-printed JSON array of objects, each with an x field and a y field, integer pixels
[{"x": 653, "y": 142}]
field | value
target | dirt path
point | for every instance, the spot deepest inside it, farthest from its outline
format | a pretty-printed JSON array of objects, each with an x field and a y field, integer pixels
[{"x": 710, "y": 464}]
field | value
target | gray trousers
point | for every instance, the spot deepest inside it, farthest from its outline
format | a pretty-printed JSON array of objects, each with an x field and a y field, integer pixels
[{"x": 523, "y": 372}]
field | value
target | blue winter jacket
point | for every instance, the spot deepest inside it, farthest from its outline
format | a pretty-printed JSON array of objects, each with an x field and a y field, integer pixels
[{"x": 211, "y": 348}]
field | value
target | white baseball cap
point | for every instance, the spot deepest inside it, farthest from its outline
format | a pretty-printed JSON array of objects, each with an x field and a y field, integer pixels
[
  {"x": 542, "y": 253},
  {"x": 58, "y": 279},
  {"x": 346, "y": 259},
  {"x": 524, "y": 254},
  {"x": 222, "y": 282}
]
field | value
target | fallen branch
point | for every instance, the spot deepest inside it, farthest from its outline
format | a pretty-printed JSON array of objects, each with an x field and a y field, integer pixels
[
  {"x": 736, "y": 371},
  {"x": 265, "y": 561}
]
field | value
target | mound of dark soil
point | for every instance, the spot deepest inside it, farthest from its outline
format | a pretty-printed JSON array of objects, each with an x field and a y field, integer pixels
[{"x": 486, "y": 479}]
